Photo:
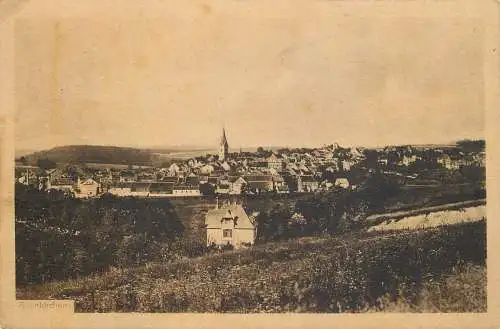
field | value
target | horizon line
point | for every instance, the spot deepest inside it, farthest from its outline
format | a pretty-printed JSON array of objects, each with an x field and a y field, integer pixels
[{"x": 200, "y": 147}]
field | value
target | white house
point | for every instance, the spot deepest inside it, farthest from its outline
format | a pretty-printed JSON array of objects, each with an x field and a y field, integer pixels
[
  {"x": 87, "y": 189},
  {"x": 342, "y": 182},
  {"x": 207, "y": 170},
  {"x": 347, "y": 164},
  {"x": 408, "y": 160},
  {"x": 229, "y": 224},
  {"x": 173, "y": 170}
]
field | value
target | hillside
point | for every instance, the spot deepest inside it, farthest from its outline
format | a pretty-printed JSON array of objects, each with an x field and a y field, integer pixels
[
  {"x": 432, "y": 270},
  {"x": 94, "y": 154}
]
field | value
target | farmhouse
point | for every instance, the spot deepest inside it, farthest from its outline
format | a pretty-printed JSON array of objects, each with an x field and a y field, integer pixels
[{"x": 229, "y": 224}]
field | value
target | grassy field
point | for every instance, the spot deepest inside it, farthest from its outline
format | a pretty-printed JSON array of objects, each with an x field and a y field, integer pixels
[{"x": 434, "y": 270}]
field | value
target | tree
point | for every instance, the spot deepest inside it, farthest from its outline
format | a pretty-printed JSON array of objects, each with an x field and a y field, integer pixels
[
  {"x": 46, "y": 164},
  {"x": 207, "y": 189},
  {"x": 376, "y": 190},
  {"x": 371, "y": 159},
  {"x": 468, "y": 145},
  {"x": 273, "y": 225}
]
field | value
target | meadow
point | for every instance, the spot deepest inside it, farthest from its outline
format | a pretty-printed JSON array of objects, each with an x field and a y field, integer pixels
[{"x": 433, "y": 270}]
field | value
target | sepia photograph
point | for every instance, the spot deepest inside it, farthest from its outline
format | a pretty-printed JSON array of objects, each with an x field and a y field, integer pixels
[{"x": 220, "y": 158}]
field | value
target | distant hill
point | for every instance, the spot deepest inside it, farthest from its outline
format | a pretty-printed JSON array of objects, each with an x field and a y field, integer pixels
[
  {"x": 94, "y": 154},
  {"x": 120, "y": 155}
]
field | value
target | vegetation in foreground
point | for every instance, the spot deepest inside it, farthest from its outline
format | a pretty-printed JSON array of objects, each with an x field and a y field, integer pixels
[{"x": 434, "y": 270}]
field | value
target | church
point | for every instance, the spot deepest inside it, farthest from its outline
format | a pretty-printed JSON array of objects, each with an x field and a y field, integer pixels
[{"x": 223, "y": 146}]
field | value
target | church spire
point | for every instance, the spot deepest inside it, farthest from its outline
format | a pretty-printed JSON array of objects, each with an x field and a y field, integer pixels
[
  {"x": 223, "y": 139},
  {"x": 223, "y": 147}
]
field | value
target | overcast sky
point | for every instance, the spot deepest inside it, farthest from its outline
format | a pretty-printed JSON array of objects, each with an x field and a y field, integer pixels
[{"x": 270, "y": 79}]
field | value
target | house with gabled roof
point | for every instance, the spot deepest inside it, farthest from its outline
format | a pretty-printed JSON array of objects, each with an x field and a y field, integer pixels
[
  {"x": 87, "y": 188},
  {"x": 274, "y": 162},
  {"x": 342, "y": 182},
  {"x": 307, "y": 183},
  {"x": 236, "y": 185},
  {"x": 259, "y": 183},
  {"x": 174, "y": 169},
  {"x": 229, "y": 225}
]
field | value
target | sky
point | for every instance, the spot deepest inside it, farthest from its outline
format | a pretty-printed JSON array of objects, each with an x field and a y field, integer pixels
[{"x": 290, "y": 79}]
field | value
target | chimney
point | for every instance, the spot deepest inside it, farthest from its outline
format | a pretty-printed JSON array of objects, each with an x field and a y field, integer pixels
[{"x": 216, "y": 202}]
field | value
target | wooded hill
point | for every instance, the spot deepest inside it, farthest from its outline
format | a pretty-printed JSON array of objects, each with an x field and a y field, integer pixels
[{"x": 94, "y": 154}]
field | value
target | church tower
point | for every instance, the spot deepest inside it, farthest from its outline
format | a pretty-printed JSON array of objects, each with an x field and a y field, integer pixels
[{"x": 223, "y": 147}]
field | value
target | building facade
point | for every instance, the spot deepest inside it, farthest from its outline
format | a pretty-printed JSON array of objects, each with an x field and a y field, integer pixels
[
  {"x": 88, "y": 188},
  {"x": 229, "y": 225}
]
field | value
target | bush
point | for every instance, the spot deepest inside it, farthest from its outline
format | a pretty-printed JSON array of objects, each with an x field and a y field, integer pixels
[{"x": 59, "y": 237}]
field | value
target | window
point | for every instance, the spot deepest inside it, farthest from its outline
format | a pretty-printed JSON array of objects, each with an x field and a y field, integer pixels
[{"x": 227, "y": 233}]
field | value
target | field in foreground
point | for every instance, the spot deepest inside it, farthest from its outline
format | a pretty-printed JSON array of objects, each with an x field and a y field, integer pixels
[{"x": 434, "y": 270}]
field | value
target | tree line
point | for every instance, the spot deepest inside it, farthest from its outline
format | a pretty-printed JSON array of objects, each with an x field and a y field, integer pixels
[{"x": 329, "y": 212}]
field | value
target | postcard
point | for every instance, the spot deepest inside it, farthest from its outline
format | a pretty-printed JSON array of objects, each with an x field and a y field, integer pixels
[{"x": 275, "y": 164}]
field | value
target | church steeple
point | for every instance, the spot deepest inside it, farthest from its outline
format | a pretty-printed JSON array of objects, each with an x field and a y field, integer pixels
[{"x": 223, "y": 147}]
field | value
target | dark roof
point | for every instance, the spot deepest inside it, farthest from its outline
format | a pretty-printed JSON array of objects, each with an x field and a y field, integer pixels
[
  {"x": 213, "y": 179},
  {"x": 192, "y": 180},
  {"x": 186, "y": 187},
  {"x": 141, "y": 187},
  {"x": 308, "y": 179},
  {"x": 161, "y": 187},
  {"x": 170, "y": 179},
  {"x": 62, "y": 181},
  {"x": 259, "y": 178},
  {"x": 127, "y": 174}
]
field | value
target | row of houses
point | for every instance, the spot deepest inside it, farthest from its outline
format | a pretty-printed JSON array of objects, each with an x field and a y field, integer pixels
[
  {"x": 456, "y": 162},
  {"x": 156, "y": 189},
  {"x": 453, "y": 161},
  {"x": 230, "y": 185},
  {"x": 87, "y": 188}
]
